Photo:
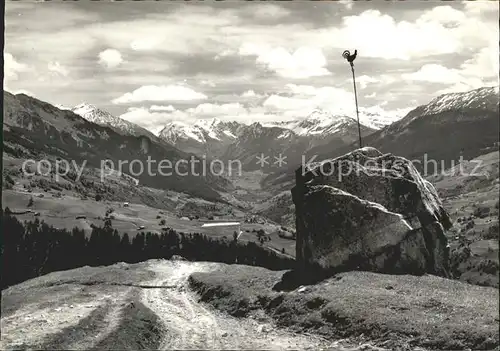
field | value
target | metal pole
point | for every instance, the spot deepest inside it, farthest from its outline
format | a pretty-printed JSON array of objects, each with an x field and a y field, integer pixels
[{"x": 356, "y": 100}]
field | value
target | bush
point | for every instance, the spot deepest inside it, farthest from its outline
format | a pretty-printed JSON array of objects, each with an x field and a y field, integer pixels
[
  {"x": 481, "y": 212},
  {"x": 493, "y": 232},
  {"x": 98, "y": 197}
]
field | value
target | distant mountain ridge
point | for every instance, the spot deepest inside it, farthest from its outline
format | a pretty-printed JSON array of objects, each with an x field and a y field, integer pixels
[
  {"x": 205, "y": 136},
  {"x": 449, "y": 126},
  {"x": 234, "y": 140},
  {"x": 95, "y": 115},
  {"x": 34, "y": 129}
]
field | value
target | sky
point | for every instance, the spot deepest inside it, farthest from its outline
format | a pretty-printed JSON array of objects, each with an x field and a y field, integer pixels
[{"x": 153, "y": 62}]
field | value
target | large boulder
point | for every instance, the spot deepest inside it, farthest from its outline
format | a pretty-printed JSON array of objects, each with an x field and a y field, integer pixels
[{"x": 369, "y": 211}]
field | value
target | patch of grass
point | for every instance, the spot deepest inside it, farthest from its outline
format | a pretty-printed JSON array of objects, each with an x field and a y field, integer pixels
[{"x": 424, "y": 311}]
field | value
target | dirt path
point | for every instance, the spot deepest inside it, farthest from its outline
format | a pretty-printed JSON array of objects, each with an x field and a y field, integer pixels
[
  {"x": 100, "y": 307},
  {"x": 189, "y": 324},
  {"x": 37, "y": 327}
]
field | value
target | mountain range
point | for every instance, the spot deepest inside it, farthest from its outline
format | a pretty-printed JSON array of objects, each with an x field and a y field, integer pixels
[
  {"x": 231, "y": 140},
  {"x": 103, "y": 118},
  {"x": 450, "y": 126},
  {"x": 225, "y": 139},
  {"x": 35, "y": 129}
]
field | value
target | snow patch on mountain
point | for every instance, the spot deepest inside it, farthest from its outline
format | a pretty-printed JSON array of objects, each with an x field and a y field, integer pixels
[
  {"x": 482, "y": 99},
  {"x": 175, "y": 131},
  {"x": 103, "y": 118},
  {"x": 478, "y": 98},
  {"x": 62, "y": 107},
  {"x": 202, "y": 131},
  {"x": 318, "y": 122}
]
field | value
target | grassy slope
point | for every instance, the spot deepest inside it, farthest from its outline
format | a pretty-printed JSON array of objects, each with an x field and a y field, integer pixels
[
  {"x": 398, "y": 312},
  {"x": 62, "y": 212},
  {"x": 468, "y": 189}
]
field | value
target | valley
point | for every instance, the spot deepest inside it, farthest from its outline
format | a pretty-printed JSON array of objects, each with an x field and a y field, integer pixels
[
  {"x": 259, "y": 200},
  {"x": 168, "y": 295}
]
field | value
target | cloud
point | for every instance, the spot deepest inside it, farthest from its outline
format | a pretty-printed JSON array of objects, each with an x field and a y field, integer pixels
[
  {"x": 481, "y": 7},
  {"x": 183, "y": 41},
  {"x": 347, "y": 3},
  {"x": 248, "y": 93},
  {"x": 304, "y": 98},
  {"x": 305, "y": 62},
  {"x": 251, "y": 94},
  {"x": 443, "y": 15},
  {"x": 110, "y": 58},
  {"x": 208, "y": 83},
  {"x": 160, "y": 93},
  {"x": 268, "y": 10},
  {"x": 168, "y": 108},
  {"x": 145, "y": 44},
  {"x": 365, "y": 80},
  {"x": 482, "y": 69},
  {"x": 440, "y": 30},
  {"x": 484, "y": 63},
  {"x": 57, "y": 68},
  {"x": 151, "y": 120},
  {"x": 12, "y": 67},
  {"x": 25, "y": 92},
  {"x": 337, "y": 101},
  {"x": 217, "y": 110},
  {"x": 278, "y": 103},
  {"x": 434, "y": 73}
]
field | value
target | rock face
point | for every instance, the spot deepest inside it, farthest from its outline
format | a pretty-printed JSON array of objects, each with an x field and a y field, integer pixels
[{"x": 369, "y": 211}]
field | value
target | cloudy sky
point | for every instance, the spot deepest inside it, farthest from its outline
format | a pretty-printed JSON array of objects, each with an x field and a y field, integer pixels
[{"x": 151, "y": 62}]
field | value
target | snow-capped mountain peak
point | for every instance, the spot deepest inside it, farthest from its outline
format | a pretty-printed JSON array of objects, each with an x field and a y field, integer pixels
[
  {"x": 176, "y": 130},
  {"x": 316, "y": 123},
  {"x": 482, "y": 99},
  {"x": 478, "y": 98},
  {"x": 95, "y": 115},
  {"x": 200, "y": 131},
  {"x": 208, "y": 123}
]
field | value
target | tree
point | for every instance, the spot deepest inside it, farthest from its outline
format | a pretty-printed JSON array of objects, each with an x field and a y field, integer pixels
[
  {"x": 261, "y": 234},
  {"x": 35, "y": 248}
]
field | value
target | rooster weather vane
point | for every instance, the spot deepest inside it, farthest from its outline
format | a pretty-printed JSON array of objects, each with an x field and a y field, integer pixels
[{"x": 350, "y": 58}]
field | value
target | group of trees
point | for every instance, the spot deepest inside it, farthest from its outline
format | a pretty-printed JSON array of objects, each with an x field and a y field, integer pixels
[{"x": 34, "y": 248}]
